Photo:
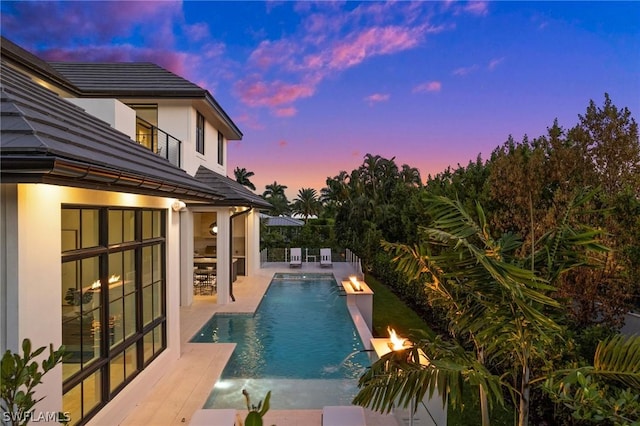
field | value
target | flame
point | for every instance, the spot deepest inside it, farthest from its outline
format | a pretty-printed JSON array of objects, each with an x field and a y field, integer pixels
[
  {"x": 355, "y": 283},
  {"x": 396, "y": 343},
  {"x": 95, "y": 285},
  {"x": 114, "y": 279}
]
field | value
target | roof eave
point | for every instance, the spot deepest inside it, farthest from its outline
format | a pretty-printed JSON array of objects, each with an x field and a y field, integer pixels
[{"x": 65, "y": 172}]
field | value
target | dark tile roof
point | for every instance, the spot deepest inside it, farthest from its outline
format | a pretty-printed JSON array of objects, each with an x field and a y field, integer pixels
[
  {"x": 281, "y": 221},
  {"x": 138, "y": 79},
  {"x": 45, "y": 138},
  {"x": 234, "y": 193},
  {"x": 126, "y": 79},
  {"x": 34, "y": 64}
]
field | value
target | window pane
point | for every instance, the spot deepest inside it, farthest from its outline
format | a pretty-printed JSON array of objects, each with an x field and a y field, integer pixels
[
  {"x": 116, "y": 273},
  {"x": 147, "y": 277},
  {"x": 129, "y": 225},
  {"x": 116, "y": 369},
  {"x": 129, "y": 317},
  {"x": 157, "y": 263},
  {"x": 158, "y": 339},
  {"x": 146, "y": 225},
  {"x": 72, "y": 403},
  {"x": 71, "y": 339},
  {"x": 90, "y": 227},
  {"x": 116, "y": 329},
  {"x": 91, "y": 332},
  {"x": 157, "y": 224},
  {"x": 129, "y": 271},
  {"x": 131, "y": 360},
  {"x": 148, "y": 346},
  {"x": 147, "y": 303},
  {"x": 157, "y": 300},
  {"x": 90, "y": 284},
  {"x": 69, "y": 287},
  {"x": 70, "y": 227},
  {"x": 91, "y": 393},
  {"x": 115, "y": 226}
]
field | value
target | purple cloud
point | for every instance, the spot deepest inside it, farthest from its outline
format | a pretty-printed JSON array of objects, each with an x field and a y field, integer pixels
[
  {"x": 377, "y": 97},
  {"x": 429, "y": 86}
]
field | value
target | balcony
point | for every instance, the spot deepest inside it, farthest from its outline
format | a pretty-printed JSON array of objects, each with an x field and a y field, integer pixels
[{"x": 158, "y": 141}]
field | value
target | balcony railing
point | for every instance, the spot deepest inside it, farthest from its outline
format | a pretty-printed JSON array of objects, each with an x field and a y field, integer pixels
[{"x": 158, "y": 141}]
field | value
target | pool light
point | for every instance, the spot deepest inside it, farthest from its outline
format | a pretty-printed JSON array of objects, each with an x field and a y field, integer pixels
[
  {"x": 396, "y": 342},
  {"x": 355, "y": 283}
]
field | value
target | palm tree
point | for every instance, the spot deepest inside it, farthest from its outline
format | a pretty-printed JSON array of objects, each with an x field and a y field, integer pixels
[
  {"x": 307, "y": 203},
  {"x": 410, "y": 175},
  {"x": 242, "y": 177},
  {"x": 273, "y": 190},
  {"x": 274, "y": 194},
  {"x": 492, "y": 302}
]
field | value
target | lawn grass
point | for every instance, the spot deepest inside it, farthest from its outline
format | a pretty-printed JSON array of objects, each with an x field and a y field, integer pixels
[{"x": 389, "y": 310}]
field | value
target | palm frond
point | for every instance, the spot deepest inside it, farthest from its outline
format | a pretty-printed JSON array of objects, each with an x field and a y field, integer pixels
[{"x": 618, "y": 358}]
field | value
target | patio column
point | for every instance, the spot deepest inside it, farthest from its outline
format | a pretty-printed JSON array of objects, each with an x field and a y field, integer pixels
[
  {"x": 223, "y": 249},
  {"x": 186, "y": 257},
  {"x": 253, "y": 243}
]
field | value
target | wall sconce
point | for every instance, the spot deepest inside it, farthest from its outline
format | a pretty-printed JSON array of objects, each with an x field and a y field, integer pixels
[
  {"x": 178, "y": 205},
  {"x": 213, "y": 228}
]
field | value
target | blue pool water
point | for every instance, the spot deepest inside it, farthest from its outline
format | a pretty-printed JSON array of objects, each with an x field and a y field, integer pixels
[{"x": 301, "y": 344}]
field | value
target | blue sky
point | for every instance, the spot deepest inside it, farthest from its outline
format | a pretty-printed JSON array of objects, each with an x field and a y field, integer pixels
[{"x": 315, "y": 86}]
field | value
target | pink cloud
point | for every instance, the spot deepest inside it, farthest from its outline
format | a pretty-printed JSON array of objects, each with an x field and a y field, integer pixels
[
  {"x": 494, "y": 63},
  {"x": 285, "y": 112},
  {"x": 271, "y": 53},
  {"x": 477, "y": 8},
  {"x": 465, "y": 70},
  {"x": 282, "y": 143},
  {"x": 373, "y": 42},
  {"x": 249, "y": 120},
  {"x": 197, "y": 32},
  {"x": 377, "y": 97},
  {"x": 271, "y": 94},
  {"x": 429, "y": 86},
  {"x": 55, "y": 19}
]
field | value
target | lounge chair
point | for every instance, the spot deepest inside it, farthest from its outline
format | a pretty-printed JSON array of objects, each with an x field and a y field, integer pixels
[
  {"x": 325, "y": 257},
  {"x": 296, "y": 257}
]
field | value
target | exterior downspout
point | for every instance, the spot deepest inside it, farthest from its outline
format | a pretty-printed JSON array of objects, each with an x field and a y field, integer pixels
[{"x": 233, "y": 299}]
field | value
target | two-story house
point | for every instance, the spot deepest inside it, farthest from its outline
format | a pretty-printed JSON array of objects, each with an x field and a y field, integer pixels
[{"x": 113, "y": 178}]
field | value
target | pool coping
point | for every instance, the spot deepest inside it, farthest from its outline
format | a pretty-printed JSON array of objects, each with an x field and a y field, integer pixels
[{"x": 186, "y": 385}]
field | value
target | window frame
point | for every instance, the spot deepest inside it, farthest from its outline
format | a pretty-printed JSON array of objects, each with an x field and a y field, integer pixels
[
  {"x": 100, "y": 369},
  {"x": 200, "y": 125},
  {"x": 220, "y": 148}
]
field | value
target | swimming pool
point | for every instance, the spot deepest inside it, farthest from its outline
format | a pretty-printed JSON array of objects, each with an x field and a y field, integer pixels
[{"x": 301, "y": 344}]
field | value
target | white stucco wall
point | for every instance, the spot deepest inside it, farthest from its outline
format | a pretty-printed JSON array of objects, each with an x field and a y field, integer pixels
[
  {"x": 36, "y": 274},
  {"x": 118, "y": 115}
]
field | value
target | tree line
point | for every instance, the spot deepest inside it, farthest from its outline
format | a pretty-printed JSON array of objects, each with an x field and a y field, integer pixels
[{"x": 524, "y": 264}]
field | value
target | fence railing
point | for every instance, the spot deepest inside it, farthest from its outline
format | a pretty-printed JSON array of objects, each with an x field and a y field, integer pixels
[
  {"x": 312, "y": 255},
  {"x": 158, "y": 141}
]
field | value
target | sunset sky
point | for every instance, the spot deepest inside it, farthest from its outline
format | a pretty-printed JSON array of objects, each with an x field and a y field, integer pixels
[{"x": 314, "y": 86}]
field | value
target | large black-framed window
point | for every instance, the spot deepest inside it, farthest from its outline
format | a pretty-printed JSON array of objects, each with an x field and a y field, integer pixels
[
  {"x": 113, "y": 297},
  {"x": 200, "y": 133},
  {"x": 220, "y": 148}
]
